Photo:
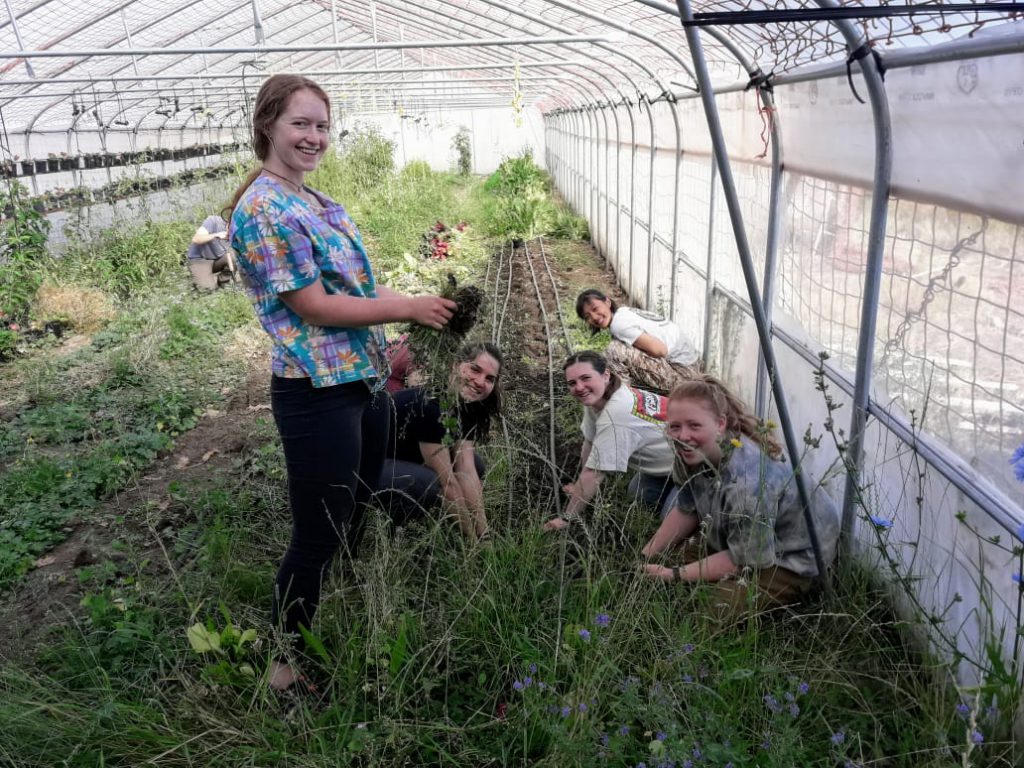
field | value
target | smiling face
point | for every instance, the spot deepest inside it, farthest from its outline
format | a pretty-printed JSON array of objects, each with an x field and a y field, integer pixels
[
  {"x": 299, "y": 136},
  {"x": 695, "y": 431},
  {"x": 478, "y": 377},
  {"x": 597, "y": 313},
  {"x": 586, "y": 384}
]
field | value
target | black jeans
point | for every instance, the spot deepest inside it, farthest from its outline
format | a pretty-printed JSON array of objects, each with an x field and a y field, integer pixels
[
  {"x": 408, "y": 489},
  {"x": 334, "y": 440}
]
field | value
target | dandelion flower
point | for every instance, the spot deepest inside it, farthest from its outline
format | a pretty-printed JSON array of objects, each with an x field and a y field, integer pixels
[{"x": 735, "y": 443}]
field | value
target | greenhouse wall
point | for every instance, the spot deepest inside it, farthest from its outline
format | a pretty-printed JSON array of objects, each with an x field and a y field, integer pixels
[{"x": 946, "y": 362}]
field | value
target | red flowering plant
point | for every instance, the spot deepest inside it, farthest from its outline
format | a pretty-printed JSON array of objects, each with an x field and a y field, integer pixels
[{"x": 441, "y": 241}]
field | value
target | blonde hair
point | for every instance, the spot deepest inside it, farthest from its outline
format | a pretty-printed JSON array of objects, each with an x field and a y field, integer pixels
[{"x": 725, "y": 405}]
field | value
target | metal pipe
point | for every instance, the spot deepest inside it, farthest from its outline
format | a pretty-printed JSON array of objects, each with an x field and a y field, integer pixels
[
  {"x": 650, "y": 208},
  {"x": 873, "y": 270},
  {"x": 489, "y": 42},
  {"x": 749, "y": 275},
  {"x": 709, "y": 269},
  {"x": 17, "y": 35}
]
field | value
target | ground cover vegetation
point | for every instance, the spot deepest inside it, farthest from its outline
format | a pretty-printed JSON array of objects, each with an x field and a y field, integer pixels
[{"x": 534, "y": 651}]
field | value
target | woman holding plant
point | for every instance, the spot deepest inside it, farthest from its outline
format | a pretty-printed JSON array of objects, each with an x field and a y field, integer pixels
[
  {"x": 434, "y": 438},
  {"x": 622, "y": 432},
  {"x": 308, "y": 275},
  {"x": 737, "y": 492},
  {"x": 646, "y": 349}
]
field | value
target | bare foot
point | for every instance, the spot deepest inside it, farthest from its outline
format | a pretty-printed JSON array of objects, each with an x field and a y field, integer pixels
[
  {"x": 281, "y": 676},
  {"x": 555, "y": 524}
]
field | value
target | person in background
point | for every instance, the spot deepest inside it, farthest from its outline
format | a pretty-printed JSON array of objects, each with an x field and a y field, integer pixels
[
  {"x": 622, "y": 432},
  {"x": 646, "y": 349},
  {"x": 307, "y": 272},
  {"x": 209, "y": 258},
  {"x": 434, "y": 442},
  {"x": 738, "y": 497}
]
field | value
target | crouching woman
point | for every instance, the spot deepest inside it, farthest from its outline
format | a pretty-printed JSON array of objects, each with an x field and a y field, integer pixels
[
  {"x": 622, "y": 432},
  {"x": 432, "y": 456},
  {"x": 740, "y": 496}
]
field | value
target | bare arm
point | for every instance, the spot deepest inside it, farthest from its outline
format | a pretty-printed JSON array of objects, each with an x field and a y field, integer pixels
[
  {"x": 472, "y": 486},
  {"x": 676, "y": 526},
  {"x": 650, "y": 345},
  {"x": 317, "y": 307},
  {"x": 202, "y": 236},
  {"x": 437, "y": 458},
  {"x": 580, "y": 493},
  {"x": 712, "y": 568}
]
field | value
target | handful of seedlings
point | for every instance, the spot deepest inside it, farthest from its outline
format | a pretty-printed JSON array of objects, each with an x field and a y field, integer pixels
[{"x": 433, "y": 352}]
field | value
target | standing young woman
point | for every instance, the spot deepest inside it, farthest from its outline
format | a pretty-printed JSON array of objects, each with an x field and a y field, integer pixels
[
  {"x": 646, "y": 349},
  {"x": 309, "y": 277},
  {"x": 622, "y": 431},
  {"x": 426, "y": 469},
  {"x": 736, "y": 488}
]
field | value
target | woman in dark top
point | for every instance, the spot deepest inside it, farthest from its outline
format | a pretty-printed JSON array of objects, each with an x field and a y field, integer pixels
[{"x": 433, "y": 442}]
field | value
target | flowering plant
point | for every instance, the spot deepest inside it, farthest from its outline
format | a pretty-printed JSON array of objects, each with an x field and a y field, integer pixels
[{"x": 441, "y": 241}]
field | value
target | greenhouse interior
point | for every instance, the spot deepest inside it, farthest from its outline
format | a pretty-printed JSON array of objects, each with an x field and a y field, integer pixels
[{"x": 217, "y": 216}]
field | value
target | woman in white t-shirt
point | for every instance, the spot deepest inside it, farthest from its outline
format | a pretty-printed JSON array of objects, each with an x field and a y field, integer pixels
[
  {"x": 646, "y": 349},
  {"x": 623, "y": 431}
]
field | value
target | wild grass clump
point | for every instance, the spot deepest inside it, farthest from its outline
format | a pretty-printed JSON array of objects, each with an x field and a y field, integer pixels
[{"x": 73, "y": 305}]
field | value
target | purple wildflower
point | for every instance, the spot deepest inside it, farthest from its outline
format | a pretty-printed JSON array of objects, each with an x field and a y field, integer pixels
[
  {"x": 604, "y": 739},
  {"x": 624, "y": 730},
  {"x": 688, "y": 648},
  {"x": 789, "y": 697},
  {"x": 839, "y": 737},
  {"x": 687, "y": 678},
  {"x": 803, "y": 688},
  {"x": 772, "y": 703},
  {"x": 518, "y": 685},
  {"x": 585, "y": 635},
  {"x": 533, "y": 669},
  {"x": 880, "y": 522},
  {"x": 1017, "y": 461},
  {"x": 977, "y": 737},
  {"x": 602, "y": 620},
  {"x": 794, "y": 710},
  {"x": 565, "y": 711},
  {"x": 660, "y": 736},
  {"x": 962, "y": 710},
  {"x": 582, "y": 707}
]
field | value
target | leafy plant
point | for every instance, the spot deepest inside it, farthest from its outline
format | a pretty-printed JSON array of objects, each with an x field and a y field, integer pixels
[
  {"x": 23, "y": 254},
  {"x": 462, "y": 144}
]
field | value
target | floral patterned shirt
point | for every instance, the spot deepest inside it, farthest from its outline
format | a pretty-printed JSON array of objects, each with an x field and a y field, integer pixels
[
  {"x": 751, "y": 507},
  {"x": 283, "y": 244}
]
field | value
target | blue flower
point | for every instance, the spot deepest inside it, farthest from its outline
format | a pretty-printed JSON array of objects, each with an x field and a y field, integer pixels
[
  {"x": 880, "y": 522},
  {"x": 582, "y": 707},
  {"x": 604, "y": 739},
  {"x": 962, "y": 710},
  {"x": 533, "y": 669},
  {"x": 624, "y": 730},
  {"x": 585, "y": 635},
  {"x": 1018, "y": 579},
  {"x": 803, "y": 688},
  {"x": 565, "y": 711},
  {"x": 772, "y": 703},
  {"x": 660, "y": 736},
  {"x": 688, "y": 648},
  {"x": 794, "y": 710},
  {"x": 527, "y": 682},
  {"x": 517, "y": 685},
  {"x": 641, "y": 765},
  {"x": 839, "y": 737},
  {"x": 687, "y": 678},
  {"x": 977, "y": 737},
  {"x": 602, "y": 620},
  {"x": 1017, "y": 461}
]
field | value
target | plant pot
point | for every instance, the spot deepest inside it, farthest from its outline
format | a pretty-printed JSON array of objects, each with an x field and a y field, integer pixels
[
  {"x": 53, "y": 164},
  {"x": 41, "y": 166},
  {"x": 28, "y": 168},
  {"x": 69, "y": 163}
]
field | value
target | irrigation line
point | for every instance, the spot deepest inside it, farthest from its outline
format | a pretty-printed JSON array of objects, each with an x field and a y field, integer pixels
[
  {"x": 558, "y": 301},
  {"x": 551, "y": 375}
]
